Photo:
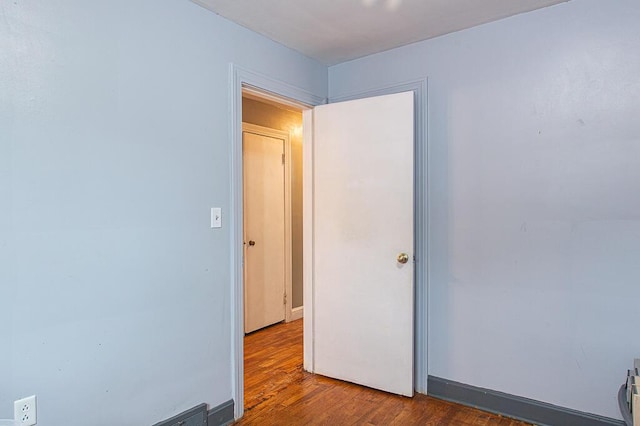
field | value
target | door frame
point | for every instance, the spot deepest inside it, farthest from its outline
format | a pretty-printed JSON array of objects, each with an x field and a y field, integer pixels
[
  {"x": 286, "y": 138},
  {"x": 285, "y": 94},
  {"x": 294, "y": 96}
]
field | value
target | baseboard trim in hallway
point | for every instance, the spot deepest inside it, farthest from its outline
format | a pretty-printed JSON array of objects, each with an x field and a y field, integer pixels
[
  {"x": 297, "y": 313},
  {"x": 516, "y": 407}
]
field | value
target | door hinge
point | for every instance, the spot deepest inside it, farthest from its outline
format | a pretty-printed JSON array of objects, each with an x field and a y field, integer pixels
[
  {"x": 284, "y": 299},
  {"x": 283, "y": 159}
]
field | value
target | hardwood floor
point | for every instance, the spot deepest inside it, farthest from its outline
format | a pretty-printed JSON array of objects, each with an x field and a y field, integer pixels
[{"x": 279, "y": 392}]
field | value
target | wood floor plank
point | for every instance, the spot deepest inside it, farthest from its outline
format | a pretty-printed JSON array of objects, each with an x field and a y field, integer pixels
[{"x": 279, "y": 392}]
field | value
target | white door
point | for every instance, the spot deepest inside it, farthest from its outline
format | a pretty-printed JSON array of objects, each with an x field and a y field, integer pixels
[
  {"x": 362, "y": 237},
  {"x": 264, "y": 231}
]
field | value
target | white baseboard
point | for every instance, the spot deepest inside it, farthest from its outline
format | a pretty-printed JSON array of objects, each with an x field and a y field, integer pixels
[{"x": 297, "y": 313}]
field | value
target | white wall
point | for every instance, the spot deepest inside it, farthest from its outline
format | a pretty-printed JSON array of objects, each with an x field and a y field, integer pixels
[
  {"x": 534, "y": 139},
  {"x": 114, "y": 144}
]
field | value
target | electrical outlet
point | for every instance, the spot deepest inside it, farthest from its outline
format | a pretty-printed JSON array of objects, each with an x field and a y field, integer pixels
[{"x": 24, "y": 411}]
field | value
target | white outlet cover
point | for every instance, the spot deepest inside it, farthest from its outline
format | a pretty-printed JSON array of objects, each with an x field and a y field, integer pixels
[{"x": 24, "y": 411}]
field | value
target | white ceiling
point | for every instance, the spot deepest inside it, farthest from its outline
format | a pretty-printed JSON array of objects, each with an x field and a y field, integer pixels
[{"x": 334, "y": 31}]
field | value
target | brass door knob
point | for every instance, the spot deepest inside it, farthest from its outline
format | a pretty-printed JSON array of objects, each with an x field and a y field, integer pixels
[
  {"x": 252, "y": 243},
  {"x": 403, "y": 258}
]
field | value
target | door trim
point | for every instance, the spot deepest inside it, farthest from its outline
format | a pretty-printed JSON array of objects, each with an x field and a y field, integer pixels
[
  {"x": 239, "y": 77},
  {"x": 421, "y": 218},
  {"x": 288, "y": 254}
]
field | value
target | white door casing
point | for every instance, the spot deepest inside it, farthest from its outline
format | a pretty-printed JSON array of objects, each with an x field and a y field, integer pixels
[
  {"x": 363, "y": 208},
  {"x": 264, "y": 230}
]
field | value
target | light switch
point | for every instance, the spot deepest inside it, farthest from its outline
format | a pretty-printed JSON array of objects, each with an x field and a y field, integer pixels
[{"x": 216, "y": 217}]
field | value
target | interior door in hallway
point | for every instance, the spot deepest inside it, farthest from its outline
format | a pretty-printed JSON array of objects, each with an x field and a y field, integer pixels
[
  {"x": 264, "y": 230},
  {"x": 363, "y": 242}
]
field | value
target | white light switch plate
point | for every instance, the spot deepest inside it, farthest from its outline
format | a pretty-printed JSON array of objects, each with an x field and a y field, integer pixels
[{"x": 216, "y": 217}]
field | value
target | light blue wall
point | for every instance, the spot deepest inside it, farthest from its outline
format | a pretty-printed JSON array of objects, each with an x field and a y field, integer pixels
[
  {"x": 114, "y": 144},
  {"x": 534, "y": 137}
]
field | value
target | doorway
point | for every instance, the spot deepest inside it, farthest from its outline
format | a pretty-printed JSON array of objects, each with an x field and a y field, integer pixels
[
  {"x": 267, "y": 122},
  {"x": 272, "y": 230},
  {"x": 292, "y": 95}
]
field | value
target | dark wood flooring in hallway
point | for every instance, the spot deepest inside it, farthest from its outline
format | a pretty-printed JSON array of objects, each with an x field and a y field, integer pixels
[{"x": 279, "y": 392}]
